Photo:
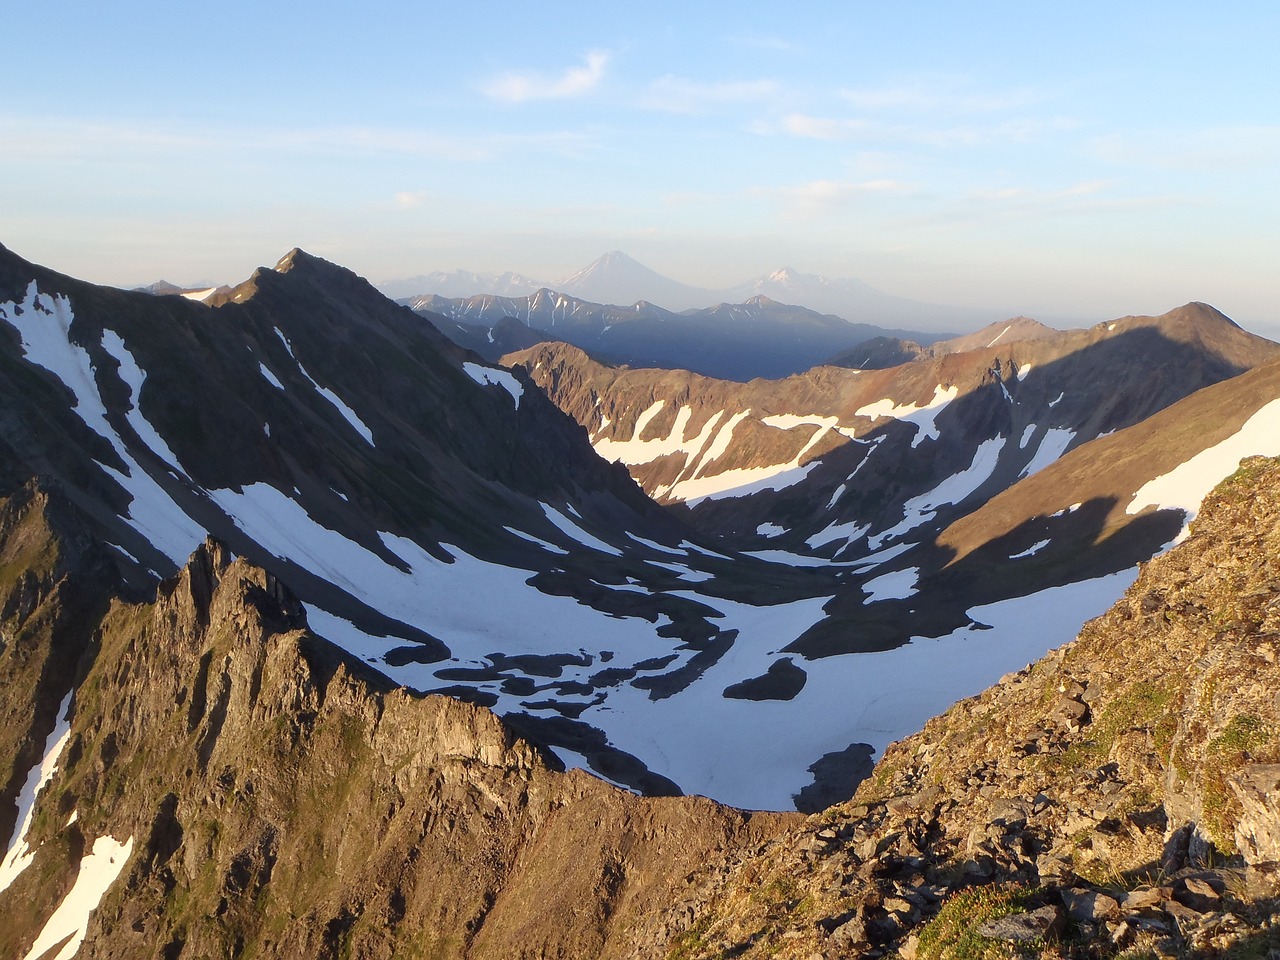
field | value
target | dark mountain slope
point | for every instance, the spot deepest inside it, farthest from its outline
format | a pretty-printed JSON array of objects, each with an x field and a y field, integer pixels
[{"x": 863, "y": 470}]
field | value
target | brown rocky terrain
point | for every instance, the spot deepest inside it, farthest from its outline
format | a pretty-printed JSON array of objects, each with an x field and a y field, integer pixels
[
  {"x": 1119, "y": 796},
  {"x": 283, "y": 800}
]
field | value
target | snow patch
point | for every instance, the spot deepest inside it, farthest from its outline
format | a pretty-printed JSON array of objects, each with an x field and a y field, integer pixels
[
  {"x": 134, "y": 377},
  {"x": 1186, "y": 485},
  {"x": 575, "y": 532},
  {"x": 1055, "y": 442},
  {"x": 1031, "y": 551},
  {"x": 491, "y": 376},
  {"x": 338, "y": 403},
  {"x": 898, "y": 585},
  {"x": 952, "y": 490},
  {"x": 19, "y": 856},
  {"x": 271, "y": 377},
  {"x": 98, "y": 871},
  {"x": 741, "y": 482},
  {"x": 922, "y": 417},
  {"x": 44, "y": 325},
  {"x": 768, "y": 529},
  {"x": 550, "y": 547}
]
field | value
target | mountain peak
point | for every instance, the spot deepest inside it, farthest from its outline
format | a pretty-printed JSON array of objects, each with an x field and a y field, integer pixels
[{"x": 293, "y": 258}]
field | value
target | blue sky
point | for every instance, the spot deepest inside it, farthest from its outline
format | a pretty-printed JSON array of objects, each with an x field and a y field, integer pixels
[{"x": 1079, "y": 160}]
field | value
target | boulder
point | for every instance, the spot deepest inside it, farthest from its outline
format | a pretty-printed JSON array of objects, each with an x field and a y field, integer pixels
[{"x": 1257, "y": 787}]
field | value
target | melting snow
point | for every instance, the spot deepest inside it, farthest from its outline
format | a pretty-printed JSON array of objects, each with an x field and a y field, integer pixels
[
  {"x": 1031, "y": 550},
  {"x": 1023, "y": 371},
  {"x": 348, "y": 414},
  {"x": 1026, "y": 435},
  {"x": 848, "y": 530},
  {"x": 922, "y": 417},
  {"x": 271, "y": 377},
  {"x": 1054, "y": 403},
  {"x": 1186, "y": 485},
  {"x": 898, "y": 585},
  {"x": 770, "y": 530},
  {"x": 19, "y": 856},
  {"x": 44, "y": 324},
  {"x": 661, "y": 547},
  {"x": 698, "y": 737},
  {"x": 98, "y": 871},
  {"x": 133, "y": 376},
  {"x": 951, "y": 490},
  {"x": 575, "y": 532},
  {"x": 998, "y": 336},
  {"x": 500, "y": 378},
  {"x": 551, "y": 547},
  {"x": 1056, "y": 440}
]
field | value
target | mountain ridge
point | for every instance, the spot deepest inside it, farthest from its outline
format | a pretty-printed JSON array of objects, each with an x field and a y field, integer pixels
[{"x": 616, "y": 278}]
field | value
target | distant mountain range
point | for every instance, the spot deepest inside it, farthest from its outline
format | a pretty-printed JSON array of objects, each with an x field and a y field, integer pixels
[
  {"x": 739, "y": 341},
  {"x": 619, "y": 280}
]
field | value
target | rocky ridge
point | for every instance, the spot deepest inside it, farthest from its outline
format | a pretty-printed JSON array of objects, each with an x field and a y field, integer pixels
[
  {"x": 281, "y": 799},
  {"x": 1117, "y": 797}
]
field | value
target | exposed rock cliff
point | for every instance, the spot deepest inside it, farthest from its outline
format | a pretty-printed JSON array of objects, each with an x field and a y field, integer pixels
[{"x": 279, "y": 799}]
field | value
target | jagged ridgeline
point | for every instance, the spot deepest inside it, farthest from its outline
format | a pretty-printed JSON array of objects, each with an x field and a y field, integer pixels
[
  {"x": 223, "y": 782},
  {"x": 238, "y": 756}
]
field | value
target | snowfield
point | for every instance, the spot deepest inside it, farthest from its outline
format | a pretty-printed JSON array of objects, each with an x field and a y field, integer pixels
[{"x": 749, "y": 753}]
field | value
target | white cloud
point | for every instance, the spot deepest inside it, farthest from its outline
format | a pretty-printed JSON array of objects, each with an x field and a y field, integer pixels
[{"x": 518, "y": 87}]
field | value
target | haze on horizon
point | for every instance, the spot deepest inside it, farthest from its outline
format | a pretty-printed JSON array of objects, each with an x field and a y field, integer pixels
[{"x": 1085, "y": 161}]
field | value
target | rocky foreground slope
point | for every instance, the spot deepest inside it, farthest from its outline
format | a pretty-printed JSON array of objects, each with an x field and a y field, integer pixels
[{"x": 1121, "y": 795}]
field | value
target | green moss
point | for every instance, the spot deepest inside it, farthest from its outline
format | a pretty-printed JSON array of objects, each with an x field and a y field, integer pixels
[
  {"x": 1223, "y": 755},
  {"x": 692, "y": 943},
  {"x": 953, "y": 933}
]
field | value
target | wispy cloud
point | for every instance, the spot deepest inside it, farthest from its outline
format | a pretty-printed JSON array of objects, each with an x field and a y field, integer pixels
[
  {"x": 521, "y": 86},
  {"x": 54, "y": 138},
  {"x": 1217, "y": 148},
  {"x": 673, "y": 94},
  {"x": 872, "y": 131}
]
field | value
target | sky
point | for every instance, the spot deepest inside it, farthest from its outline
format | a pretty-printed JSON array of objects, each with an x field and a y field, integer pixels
[{"x": 1066, "y": 161}]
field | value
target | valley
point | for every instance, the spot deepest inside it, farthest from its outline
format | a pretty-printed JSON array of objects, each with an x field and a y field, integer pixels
[{"x": 285, "y": 547}]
